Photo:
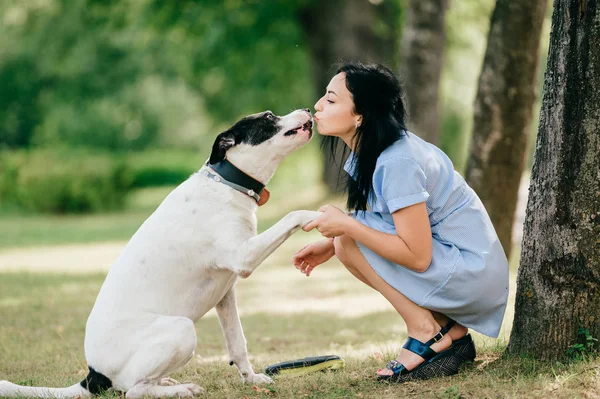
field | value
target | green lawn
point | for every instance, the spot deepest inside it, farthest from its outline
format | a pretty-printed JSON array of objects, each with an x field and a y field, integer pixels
[{"x": 285, "y": 316}]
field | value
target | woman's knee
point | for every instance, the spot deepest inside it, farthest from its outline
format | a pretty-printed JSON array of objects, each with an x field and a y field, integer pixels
[{"x": 340, "y": 245}]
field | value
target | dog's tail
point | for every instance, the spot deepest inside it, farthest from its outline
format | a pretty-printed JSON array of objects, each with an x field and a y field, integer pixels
[
  {"x": 94, "y": 383},
  {"x": 10, "y": 390}
]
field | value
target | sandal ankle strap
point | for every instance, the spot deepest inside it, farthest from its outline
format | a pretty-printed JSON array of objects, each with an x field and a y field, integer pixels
[
  {"x": 447, "y": 327},
  {"x": 437, "y": 338},
  {"x": 443, "y": 331},
  {"x": 423, "y": 349}
]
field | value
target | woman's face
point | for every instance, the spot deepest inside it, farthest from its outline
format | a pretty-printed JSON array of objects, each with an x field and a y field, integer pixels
[{"x": 335, "y": 111}]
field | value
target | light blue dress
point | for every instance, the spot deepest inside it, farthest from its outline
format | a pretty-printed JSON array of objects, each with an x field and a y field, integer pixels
[{"x": 467, "y": 279}]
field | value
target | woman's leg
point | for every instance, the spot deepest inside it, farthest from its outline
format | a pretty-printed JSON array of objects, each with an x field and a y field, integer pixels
[
  {"x": 343, "y": 257},
  {"x": 420, "y": 322},
  {"x": 456, "y": 332}
]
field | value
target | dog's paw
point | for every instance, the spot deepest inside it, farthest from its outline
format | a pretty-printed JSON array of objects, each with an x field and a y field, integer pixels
[
  {"x": 305, "y": 217},
  {"x": 181, "y": 391},
  {"x": 258, "y": 379},
  {"x": 169, "y": 382},
  {"x": 244, "y": 273},
  {"x": 192, "y": 388}
]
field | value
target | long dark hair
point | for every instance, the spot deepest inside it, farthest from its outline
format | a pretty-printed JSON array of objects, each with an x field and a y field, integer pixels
[{"x": 377, "y": 96}]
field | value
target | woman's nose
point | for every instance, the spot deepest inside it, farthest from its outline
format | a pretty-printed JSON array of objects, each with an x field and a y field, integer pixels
[{"x": 317, "y": 106}]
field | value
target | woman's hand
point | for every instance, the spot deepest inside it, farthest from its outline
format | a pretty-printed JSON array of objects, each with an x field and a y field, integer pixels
[
  {"x": 332, "y": 223},
  {"x": 313, "y": 255}
]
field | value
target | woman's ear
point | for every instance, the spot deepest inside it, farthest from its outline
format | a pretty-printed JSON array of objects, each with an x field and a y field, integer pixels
[
  {"x": 358, "y": 121},
  {"x": 223, "y": 142}
]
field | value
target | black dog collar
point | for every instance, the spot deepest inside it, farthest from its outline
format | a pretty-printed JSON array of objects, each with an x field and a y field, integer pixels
[{"x": 229, "y": 174}]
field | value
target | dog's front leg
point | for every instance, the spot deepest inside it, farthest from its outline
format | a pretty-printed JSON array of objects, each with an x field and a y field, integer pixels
[
  {"x": 254, "y": 251},
  {"x": 235, "y": 340}
]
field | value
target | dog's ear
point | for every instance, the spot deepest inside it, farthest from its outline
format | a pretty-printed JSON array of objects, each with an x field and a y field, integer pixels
[{"x": 223, "y": 142}]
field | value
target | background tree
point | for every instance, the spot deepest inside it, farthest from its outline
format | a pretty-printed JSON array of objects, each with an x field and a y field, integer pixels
[
  {"x": 504, "y": 109},
  {"x": 348, "y": 30},
  {"x": 558, "y": 293},
  {"x": 421, "y": 61}
]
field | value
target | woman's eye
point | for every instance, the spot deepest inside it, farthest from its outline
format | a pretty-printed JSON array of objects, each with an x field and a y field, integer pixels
[{"x": 330, "y": 102}]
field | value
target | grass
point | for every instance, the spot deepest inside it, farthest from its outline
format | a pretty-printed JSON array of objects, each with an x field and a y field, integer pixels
[{"x": 285, "y": 316}]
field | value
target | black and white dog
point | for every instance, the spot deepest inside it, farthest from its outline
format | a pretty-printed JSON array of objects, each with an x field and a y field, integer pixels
[{"x": 183, "y": 261}]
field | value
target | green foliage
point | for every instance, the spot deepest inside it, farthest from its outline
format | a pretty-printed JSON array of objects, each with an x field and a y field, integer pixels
[
  {"x": 20, "y": 112},
  {"x": 101, "y": 124},
  {"x": 242, "y": 56},
  {"x": 467, "y": 24},
  {"x": 154, "y": 176},
  {"x": 586, "y": 347},
  {"x": 454, "y": 140},
  {"x": 66, "y": 66},
  {"x": 161, "y": 168},
  {"x": 140, "y": 73},
  {"x": 54, "y": 182}
]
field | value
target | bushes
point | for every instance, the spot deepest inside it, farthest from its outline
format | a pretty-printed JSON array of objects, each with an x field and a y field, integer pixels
[
  {"x": 163, "y": 167},
  {"x": 75, "y": 181},
  {"x": 57, "y": 182}
]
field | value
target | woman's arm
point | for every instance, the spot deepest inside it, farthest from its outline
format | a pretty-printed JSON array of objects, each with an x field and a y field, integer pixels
[{"x": 409, "y": 247}]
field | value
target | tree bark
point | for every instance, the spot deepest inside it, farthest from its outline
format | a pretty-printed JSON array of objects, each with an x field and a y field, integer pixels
[
  {"x": 421, "y": 60},
  {"x": 504, "y": 110},
  {"x": 558, "y": 290},
  {"x": 347, "y": 30}
]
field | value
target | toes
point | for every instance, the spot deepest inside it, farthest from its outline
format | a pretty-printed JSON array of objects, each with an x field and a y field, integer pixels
[
  {"x": 194, "y": 389},
  {"x": 260, "y": 379},
  {"x": 384, "y": 372},
  {"x": 169, "y": 382}
]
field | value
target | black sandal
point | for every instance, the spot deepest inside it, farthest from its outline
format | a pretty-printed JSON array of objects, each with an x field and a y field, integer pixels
[
  {"x": 464, "y": 348},
  {"x": 435, "y": 364}
]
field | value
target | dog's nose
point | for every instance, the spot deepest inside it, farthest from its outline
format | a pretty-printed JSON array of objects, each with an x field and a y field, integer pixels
[{"x": 307, "y": 110}]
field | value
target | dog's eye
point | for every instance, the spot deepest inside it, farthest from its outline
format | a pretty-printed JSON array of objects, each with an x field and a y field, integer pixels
[{"x": 269, "y": 115}]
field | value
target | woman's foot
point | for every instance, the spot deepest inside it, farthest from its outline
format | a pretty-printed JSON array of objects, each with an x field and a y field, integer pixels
[{"x": 411, "y": 360}]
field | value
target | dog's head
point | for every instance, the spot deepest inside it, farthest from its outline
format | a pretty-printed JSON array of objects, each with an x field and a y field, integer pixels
[{"x": 263, "y": 136}]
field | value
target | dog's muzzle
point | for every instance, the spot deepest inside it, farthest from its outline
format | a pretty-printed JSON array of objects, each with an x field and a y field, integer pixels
[{"x": 307, "y": 126}]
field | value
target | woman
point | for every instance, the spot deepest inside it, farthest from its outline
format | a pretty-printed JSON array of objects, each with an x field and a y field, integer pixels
[{"x": 418, "y": 234}]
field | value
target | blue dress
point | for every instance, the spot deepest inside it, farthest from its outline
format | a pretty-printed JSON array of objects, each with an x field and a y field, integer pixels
[{"x": 467, "y": 279}]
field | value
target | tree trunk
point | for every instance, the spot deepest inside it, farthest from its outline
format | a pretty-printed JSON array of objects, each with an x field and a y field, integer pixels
[
  {"x": 421, "y": 60},
  {"x": 347, "y": 30},
  {"x": 558, "y": 290},
  {"x": 504, "y": 110}
]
